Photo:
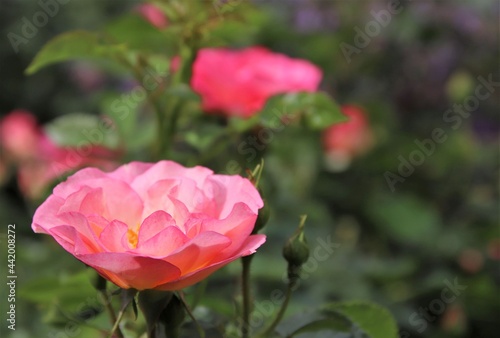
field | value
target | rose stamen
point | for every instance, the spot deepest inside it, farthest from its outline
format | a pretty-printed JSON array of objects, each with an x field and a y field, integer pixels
[{"x": 133, "y": 238}]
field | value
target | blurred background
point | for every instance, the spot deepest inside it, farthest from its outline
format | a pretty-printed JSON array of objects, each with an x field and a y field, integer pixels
[{"x": 413, "y": 214}]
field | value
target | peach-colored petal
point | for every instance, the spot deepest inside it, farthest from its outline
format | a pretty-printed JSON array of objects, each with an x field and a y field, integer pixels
[
  {"x": 229, "y": 190},
  {"x": 117, "y": 201},
  {"x": 196, "y": 253},
  {"x": 159, "y": 198},
  {"x": 68, "y": 238},
  {"x": 237, "y": 226},
  {"x": 112, "y": 236},
  {"x": 97, "y": 223},
  {"x": 137, "y": 272},
  {"x": 248, "y": 248},
  {"x": 163, "y": 243},
  {"x": 153, "y": 224},
  {"x": 81, "y": 223}
]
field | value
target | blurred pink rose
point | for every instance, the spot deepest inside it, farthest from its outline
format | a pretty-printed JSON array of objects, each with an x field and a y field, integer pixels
[
  {"x": 153, "y": 226},
  {"x": 175, "y": 63},
  {"x": 344, "y": 141},
  {"x": 153, "y": 15},
  {"x": 40, "y": 161},
  {"x": 238, "y": 83},
  {"x": 19, "y": 134},
  {"x": 52, "y": 163}
]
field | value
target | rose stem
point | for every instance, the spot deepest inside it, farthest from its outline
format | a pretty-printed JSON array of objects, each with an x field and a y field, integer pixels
[
  {"x": 116, "y": 325},
  {"x": 245, "y": 284},
  {"x": 111, "y": 312},
  {"x": 281, "y": 312},
  {"x": 190, "y": 313}
]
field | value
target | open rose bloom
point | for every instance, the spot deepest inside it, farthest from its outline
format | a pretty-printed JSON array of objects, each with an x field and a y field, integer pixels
[
  {"x": 153, "y": 226},
  {"x": 239, "y": 82}
]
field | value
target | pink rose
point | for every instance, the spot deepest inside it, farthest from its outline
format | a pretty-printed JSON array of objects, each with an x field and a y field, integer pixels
[
  {"x": 153, "y": 15},
  {"x": 346, "y": 140},
  {"x": 19, "y": 134},
  {"x": 238, "y": 83},
  {"x": 153, "y": 226},
  {"x": 39, "y": 160},
  {"x": 36, "y": 174}
]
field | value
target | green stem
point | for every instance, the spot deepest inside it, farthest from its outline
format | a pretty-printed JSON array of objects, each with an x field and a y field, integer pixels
[
  {"x": 170, "y": 128},
  {"x": 281, "y": 312},
  {"x": 201, "y": 333},
  {"x": 245, "y": 289},
  {"x": 116, "y": 326},
  {"x": 111, "y": 312}
]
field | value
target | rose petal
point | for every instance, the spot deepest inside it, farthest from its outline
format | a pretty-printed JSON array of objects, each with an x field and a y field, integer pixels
[
  {"x": 163, "y": 243},
  {"x": 84, "y": 230},
  {"x": 229, "y": 190},
  {"x": 127, "y": 271},
  {"x": 237, "y": 226},
  {"x": 77, "y": 180},
  {"x": 169, "y": 170},
  {"x": 128, "y": 172},
  {"x": 249, "y": 247},
  {"x": 198, "y": 252},
  {"x": 45, "y": 216},
  {"x": 153, "y": 224},
  {"x": 69, "y": 239},
  {"x": 111, "y": 236}
]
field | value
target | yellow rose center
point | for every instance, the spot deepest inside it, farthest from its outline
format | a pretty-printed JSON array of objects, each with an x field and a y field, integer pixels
[{"x": 132, "y": 237}]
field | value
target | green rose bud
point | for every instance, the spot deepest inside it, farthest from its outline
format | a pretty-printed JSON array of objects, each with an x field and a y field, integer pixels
[
  {"x": 296, "y": 250},
  {"x": 263, "y": 216}
]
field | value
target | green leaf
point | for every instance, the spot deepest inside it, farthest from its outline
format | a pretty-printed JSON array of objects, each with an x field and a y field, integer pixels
[
  {"x": 74, "y": 45},
  {"x": 315, "y": 110},
  {"x": 373, "y": 319},
  {"x": 138, "y": 34},
  {"x": 405, "y": 218},
  {"x": 332, "y": 324},
  {"x": 204, "y": 136},
  {"x": 241, "y": 125},
  {"x": 78, "y": 129},
  {"x": 315, "y": 322}
]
